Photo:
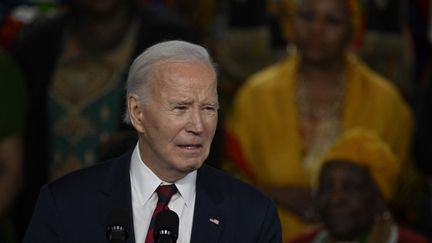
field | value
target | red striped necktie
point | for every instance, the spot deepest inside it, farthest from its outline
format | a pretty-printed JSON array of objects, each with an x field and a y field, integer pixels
[{"x": 164, "y": 195}]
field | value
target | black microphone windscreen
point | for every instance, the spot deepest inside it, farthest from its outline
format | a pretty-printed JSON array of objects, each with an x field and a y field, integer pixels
[
  {"x": 117, "y": 230},
  {"x": 166, "y": 226}
]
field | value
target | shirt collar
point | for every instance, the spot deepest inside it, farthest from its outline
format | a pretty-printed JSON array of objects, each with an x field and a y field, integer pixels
[
  {"x": 147, "y": 182},
  {"x": 186, "y": 187}
]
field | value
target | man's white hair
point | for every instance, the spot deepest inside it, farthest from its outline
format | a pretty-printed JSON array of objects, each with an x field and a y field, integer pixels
[{"x": 142, "y": 69}]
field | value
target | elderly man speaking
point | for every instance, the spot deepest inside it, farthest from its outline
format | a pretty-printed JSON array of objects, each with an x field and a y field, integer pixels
[{"x": 172, "y": 103}]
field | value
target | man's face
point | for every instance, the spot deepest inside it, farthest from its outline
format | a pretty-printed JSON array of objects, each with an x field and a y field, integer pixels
[
  {"x": 322, "y": 29},
  {"x": 179, "y": 119},
  {"x": 347, "y": 199}
]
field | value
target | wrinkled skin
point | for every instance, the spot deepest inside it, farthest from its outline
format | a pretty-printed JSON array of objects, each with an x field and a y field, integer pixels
[{"x": 177, "y": 123}]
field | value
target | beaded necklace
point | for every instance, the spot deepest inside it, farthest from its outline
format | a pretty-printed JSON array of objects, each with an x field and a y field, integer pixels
[{"x": 320, "y": 125}]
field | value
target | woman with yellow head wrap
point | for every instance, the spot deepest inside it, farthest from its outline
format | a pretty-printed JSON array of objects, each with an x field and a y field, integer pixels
[
  {"x": 284, "y": 117},
  {"x": 352, "y": 183},
  {"x": 365, "y": 149}
]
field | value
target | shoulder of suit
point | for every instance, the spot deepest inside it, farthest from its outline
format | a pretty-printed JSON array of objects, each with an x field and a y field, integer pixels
[
  {"x": 231, "y": 186},
  {"x": 91, "y": 178}
]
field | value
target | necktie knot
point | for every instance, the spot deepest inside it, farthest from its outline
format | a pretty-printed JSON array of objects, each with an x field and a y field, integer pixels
[{"x": 165, "y": 193}]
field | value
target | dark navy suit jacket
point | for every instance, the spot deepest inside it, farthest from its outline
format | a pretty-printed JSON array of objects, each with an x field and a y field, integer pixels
[{"x": 74, "y": 208}]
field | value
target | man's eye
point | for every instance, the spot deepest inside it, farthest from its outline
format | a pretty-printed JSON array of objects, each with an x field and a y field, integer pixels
[
  {"x": 180, "y": 107},
  {"x": 210, "y": 108}
]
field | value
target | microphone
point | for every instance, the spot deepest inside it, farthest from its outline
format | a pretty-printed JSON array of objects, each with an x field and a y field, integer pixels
[
  {"x": 117, "y": 225},
  {"x": 166, "y": 227}
]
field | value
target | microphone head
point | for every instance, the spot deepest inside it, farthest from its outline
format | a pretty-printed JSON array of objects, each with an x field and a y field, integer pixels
[
  {"x": 166, "y": 227},
  {"x": 117, "y": 230}
]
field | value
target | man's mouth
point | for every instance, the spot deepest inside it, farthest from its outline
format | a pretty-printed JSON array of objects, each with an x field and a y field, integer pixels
[{"x": 190, "y": 146}]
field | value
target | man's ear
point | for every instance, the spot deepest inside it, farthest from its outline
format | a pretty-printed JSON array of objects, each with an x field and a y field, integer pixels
[{"x": 136, "y": 113}]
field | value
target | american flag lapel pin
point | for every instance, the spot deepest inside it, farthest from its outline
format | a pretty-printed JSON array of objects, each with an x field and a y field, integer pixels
[{"x": 214, "y": 221}]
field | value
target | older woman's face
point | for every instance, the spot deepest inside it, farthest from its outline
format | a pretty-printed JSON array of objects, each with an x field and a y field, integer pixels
[
  {"x": 347, "y": 199},
  {"x": 322, "y": 29}
]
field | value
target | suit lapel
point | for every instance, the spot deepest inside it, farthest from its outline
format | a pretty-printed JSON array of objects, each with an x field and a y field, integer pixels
[
  {"x": 208, "y": 219},
  {"x": 208, "y": 222},
  {"x": 116, "y": 192}
]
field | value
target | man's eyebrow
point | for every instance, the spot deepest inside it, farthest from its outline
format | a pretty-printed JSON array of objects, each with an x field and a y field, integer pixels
[
  {"x": 180, "y": 102},
  {"x": 212, "y": 103}
]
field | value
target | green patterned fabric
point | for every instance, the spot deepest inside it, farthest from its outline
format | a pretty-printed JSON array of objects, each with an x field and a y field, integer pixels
[{"x": 84, "y": 104}]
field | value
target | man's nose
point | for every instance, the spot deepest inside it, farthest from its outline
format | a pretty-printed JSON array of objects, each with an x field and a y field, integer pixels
[{"x": 195, "y": 124}]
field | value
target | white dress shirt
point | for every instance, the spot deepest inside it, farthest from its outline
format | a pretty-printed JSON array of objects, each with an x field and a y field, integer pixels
[{"x": 144, "y": 198}]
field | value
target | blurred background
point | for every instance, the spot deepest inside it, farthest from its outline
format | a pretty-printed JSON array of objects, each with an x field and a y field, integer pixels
[{"x": 244, "y": 36}]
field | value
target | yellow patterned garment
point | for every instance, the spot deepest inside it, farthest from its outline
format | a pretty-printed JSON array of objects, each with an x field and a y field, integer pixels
[{"x": 263, "y": 137}]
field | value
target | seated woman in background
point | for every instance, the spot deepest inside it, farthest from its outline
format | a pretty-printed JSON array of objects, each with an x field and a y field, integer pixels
[
  {"x": 285, "y": 116},
  {"x": 352, "y": 185}
]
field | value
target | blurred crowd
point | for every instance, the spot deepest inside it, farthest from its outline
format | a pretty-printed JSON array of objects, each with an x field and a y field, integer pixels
[{"x": 297, "y": 78}]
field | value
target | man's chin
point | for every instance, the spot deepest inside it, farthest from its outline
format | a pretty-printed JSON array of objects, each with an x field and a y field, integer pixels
[
  {"x": 188, "y": 165},
  {"x": 193, "y": 166}
]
